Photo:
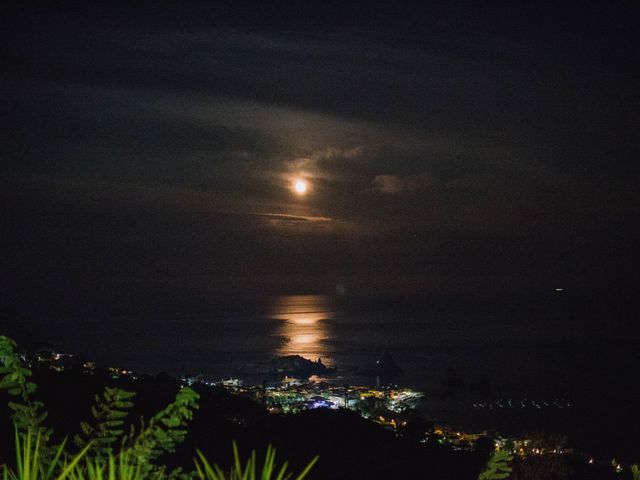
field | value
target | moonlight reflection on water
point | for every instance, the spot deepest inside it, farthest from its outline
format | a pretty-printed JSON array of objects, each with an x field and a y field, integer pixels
[{"x": 303, "y": 325}]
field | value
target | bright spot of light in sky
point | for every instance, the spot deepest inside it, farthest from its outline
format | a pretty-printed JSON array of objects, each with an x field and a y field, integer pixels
[{"x": 300, "y": 186}]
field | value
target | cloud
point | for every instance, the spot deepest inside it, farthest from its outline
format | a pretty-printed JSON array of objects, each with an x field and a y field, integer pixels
[
  {"x": 294, "y": 218},
  {"x": 299, "y": 224},
  {"x": 324, "y": 163},
  {"x": 338, "y": 153},
  {"x": 394, "y": 184}
]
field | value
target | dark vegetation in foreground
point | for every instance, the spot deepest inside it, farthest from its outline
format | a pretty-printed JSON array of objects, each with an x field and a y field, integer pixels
[{"x": 349, "y": 446}]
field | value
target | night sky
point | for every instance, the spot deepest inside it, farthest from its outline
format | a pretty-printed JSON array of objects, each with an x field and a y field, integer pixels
[{"x": 149, "y": 150}]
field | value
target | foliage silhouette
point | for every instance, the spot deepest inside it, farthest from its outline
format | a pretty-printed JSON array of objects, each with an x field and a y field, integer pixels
[
  {"x": 106, "y": 452},
  {"x": 498, "y": 467},
  {"x": 28, "y": 414},
  {"x": 108, "y": 412}
]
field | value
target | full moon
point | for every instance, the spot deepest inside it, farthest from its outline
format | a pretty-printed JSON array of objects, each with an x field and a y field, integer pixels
[{"x": 300, "y": 186}]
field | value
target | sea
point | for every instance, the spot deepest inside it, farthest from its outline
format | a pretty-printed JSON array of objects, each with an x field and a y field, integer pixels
[{"x": 552, "y": 365}]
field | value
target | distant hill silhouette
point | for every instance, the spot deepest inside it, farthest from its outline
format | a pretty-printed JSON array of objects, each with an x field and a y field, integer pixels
[{"x": 288, "y": 365}]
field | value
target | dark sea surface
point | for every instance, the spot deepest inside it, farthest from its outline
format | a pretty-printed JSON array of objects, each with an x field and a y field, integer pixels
[{"x": 542, "y": 350}]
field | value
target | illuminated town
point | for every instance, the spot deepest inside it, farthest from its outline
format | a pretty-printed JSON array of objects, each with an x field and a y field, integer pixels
[{"x": 392, "y": 406}]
